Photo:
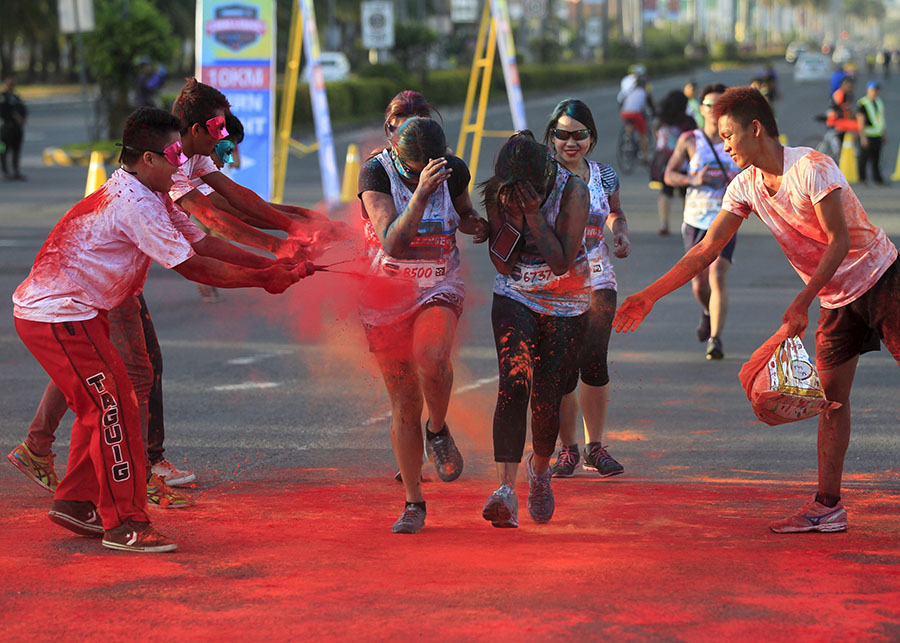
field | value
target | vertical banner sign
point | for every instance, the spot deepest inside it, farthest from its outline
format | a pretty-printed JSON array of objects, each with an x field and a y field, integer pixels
[
  {"x": 500, "y": 14},
  {"x": 322, "y": 117},
  {"x": 236, "y": 55}
]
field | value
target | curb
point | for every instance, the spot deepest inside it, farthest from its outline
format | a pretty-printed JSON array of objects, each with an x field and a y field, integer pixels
[{"x": 65, "y": 158}]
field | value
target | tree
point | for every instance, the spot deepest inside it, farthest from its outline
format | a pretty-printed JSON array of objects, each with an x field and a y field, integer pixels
[{"x": 126, "y": 30}]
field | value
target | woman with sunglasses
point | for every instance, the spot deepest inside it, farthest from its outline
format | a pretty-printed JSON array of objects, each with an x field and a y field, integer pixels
[
  {"x": 572, "y": 134},
  {"x": 537, "y": 211},
  {"x": 414, "y": 198}
]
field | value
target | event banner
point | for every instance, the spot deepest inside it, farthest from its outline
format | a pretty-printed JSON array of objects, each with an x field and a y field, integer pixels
[
  {"x": 500, "y": 13},
  {"x": 321, "y": 115},
  {"x": 236, "y": 54}
]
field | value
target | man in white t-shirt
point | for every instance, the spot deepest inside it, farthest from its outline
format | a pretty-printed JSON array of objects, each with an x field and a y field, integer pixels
[
  {"x": 94, "y": 259},
  {"x": 844, "y": 260}
]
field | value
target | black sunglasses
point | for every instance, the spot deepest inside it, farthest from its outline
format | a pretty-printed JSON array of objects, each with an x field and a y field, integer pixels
[{"x": 564, "y": 134}]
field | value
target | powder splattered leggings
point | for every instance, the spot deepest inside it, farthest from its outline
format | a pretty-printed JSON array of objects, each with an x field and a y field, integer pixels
[{"x": 536, "y": 354}]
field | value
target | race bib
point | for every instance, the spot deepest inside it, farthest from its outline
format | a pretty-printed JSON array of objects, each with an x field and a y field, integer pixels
[
  {"x": 426, "y": 273},
  {"x": 532, "y": 278}
]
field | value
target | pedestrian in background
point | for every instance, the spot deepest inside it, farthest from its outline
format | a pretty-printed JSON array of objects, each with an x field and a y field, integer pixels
[
  {"x": 13, "y": 115},
  {"x": 870, "y": 116}
]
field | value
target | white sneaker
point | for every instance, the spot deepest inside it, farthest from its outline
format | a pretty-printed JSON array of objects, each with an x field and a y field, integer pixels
[{"x": 174, "y": 477}]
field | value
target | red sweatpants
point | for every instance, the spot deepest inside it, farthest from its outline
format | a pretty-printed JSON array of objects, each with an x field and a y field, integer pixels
[{"x": 106, "y": 457}]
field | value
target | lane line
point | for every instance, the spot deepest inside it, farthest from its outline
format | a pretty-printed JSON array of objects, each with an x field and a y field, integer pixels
[
  {"x": 246, "y": 386},
  {"x": 462, "y": 389}
]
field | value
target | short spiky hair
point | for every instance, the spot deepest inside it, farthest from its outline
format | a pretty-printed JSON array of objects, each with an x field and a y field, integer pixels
[
  {"x": 197, "y": 103},
  {"x": 745, "y": 105},
  {"x": 235, "y": 128},
  {"x": 147, "y": 128}
]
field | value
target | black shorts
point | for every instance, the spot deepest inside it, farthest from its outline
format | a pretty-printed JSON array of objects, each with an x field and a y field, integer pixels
[
  {"x": 692, "y": 236},
  {"x": 669, "y": 191},
  {"x": 854, "y": 329},
  {"x": 398, "y": 337}
]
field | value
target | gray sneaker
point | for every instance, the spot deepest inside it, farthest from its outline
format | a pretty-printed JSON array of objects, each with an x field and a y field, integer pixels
[
  {"x": 540, "y": 493},
  {"x": 448, "y": 461},
  {"x": 410, "y": 521},
  {"x": 502, "y": 508},
  {"x": 597, "y": 458},
  {"x": 566, "y": 461}
]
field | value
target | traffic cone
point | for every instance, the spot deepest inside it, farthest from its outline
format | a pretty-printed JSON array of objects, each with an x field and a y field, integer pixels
[
  {"x": 896, "y": 176},
  {"x": 848, "y": 163},
  {"x": 96, "y": 173},
  {"x": 351, "y": 174}
]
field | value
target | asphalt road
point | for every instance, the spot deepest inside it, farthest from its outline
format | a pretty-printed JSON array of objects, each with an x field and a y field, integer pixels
[{"x": 260, "y": 382}]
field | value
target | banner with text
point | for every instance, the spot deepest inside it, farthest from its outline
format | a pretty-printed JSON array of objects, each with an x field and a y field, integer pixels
[{"x": 236, "y": 55}]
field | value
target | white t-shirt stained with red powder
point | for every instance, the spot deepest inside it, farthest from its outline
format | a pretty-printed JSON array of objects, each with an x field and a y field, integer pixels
[
  {"x": 809, "y": 177},
  {"x": 190, "y": 175},
  {"x": 99, "y": 253}
]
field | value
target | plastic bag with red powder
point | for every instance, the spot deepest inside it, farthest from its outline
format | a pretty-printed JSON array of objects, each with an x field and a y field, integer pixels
[{"x": 782, "y": 383}]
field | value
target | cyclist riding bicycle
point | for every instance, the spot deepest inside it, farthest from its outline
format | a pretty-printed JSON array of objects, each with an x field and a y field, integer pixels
[{"x": 636, "y": 105}]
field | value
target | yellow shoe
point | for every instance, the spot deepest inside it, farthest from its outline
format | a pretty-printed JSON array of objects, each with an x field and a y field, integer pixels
[
  {"x": 162, "y": 495},
  {"x": 38, "y": 468}
]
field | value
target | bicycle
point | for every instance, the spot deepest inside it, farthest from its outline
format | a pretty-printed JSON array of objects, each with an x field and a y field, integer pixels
[
  {"x": 829, "y": 143},
  {"x": 628, "y": 149}
]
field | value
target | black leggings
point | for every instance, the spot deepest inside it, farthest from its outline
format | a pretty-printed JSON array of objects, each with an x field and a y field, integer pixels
[
  {"x": 536, "y": 354},
  {"x": 592, "y": 361}
]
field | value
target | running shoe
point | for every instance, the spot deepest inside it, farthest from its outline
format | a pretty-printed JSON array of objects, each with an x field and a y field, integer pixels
[
  {"x": 78, "y": 516},
  {"x": 597, "y": 458},
  {"x": 174, "y": 476},
  {"x": 137, "y": 536},
  {"x": 814, "y": 516},
  {"x": 448, "y": 461},
  {"x": 703, "y": 330},
  {"x": 714, "y": 348},
  {"x": 566, "y": 461},
  {"x": 162, "y": 495},
  {"x": 410, "y": 521},
  {"x": 502, "y": 508},
  {"x": 540, "y": 492},
  {"x": 38, "y": 468}
]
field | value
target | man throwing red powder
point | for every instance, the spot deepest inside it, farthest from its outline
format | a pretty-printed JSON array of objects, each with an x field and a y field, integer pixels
[
  {"x": 96, "y": 258},
  {"x": 845, "y": 260}
]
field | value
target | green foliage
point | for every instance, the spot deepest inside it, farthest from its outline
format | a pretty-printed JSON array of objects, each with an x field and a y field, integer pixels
[
  {"x": 125, "y": 31},
  {"x": 724, "y": 50},
  {"x": 391, "y": 71},
  {"x": 412, "y": 42}
]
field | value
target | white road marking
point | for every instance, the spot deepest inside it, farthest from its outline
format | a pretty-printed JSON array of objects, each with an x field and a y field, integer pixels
[
  {"x": 259, "y": 357},
  {"x": 462, "y": 389},
  {"x": 246, "y": 386}
]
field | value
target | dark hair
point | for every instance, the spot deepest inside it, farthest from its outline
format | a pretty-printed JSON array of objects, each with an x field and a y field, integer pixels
[
  {"x": 576, "y": 109},
  {"x": 147, "y": 128},
  {"x": 407, "y": 104},
  {"x": 714, "y": 88},
  {"x": 520, "y": 159},
  {"x": 673, "y": 108},
  {"x": 419, "y": 140},
  {"x": 235, "y": 128},
  {"x": 744, "y": 105},
  {"x": 197, "y": 103}
]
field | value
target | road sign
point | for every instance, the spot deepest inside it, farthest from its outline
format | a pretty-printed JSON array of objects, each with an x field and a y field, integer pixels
[
  {"x": 593, "y": 31},
  {"x": 377, "y": 24},
  {"x": 463, "y": 11},
  {"x": 75, "y": 15},
  {"x": 535, "y": 8}
]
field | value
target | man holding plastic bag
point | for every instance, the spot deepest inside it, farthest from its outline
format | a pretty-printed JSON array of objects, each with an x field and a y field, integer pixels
[{"x": 845, "y": 260}]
